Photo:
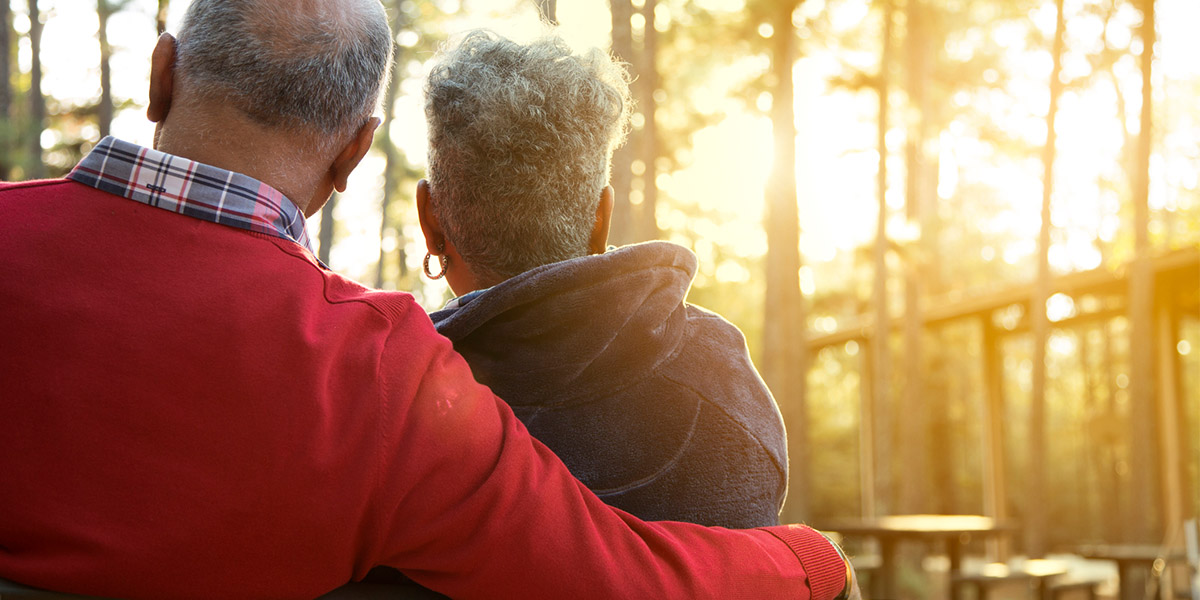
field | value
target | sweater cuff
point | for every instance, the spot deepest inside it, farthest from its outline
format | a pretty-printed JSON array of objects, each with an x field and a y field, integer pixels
[{"x": 823, "y": 564}]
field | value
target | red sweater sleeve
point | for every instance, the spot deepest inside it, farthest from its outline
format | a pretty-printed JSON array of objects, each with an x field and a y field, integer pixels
[{"x": 474, "y": 507}]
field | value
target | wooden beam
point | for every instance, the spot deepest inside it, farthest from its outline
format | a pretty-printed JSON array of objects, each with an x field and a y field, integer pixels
[{"x": 1182, "y": 267}]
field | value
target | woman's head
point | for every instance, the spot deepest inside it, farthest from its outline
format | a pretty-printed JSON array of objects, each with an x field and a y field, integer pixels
[{"x": 520, "y": 139}]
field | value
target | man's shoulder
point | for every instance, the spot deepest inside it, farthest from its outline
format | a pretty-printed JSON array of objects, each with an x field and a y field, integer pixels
[
  {"x": 38, "y": 186},
  {"x": 396, "y": 306}
]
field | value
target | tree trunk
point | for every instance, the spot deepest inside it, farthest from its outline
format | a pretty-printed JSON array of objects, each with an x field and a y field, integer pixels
[
  {"x": 621, "y": 231},
  {"x": 160, "y": 17},
  {"x": 913, "y": 423},
  {"x": 876, "y": 433},
  {"x": 104, "y": 111},
  {"x": 1035, "y": 490},
  {"x": 6, "y": 122},
  {"x": 325, "y": 235},
  {"x": 784, "y": 346},
  {"x": 647, "y": 83},
  {"x": 1141, "y": 306},
  {"x": 392, "y": 159},
  {"x": 548, "y": 10},
  {"x": 37, "y": 103}
]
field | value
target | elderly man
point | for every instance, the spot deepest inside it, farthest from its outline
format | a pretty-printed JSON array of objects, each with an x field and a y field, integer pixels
[{"x": 194, "y": 407}]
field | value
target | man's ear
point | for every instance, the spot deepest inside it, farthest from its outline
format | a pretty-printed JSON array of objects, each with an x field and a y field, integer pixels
[
  {"x": 352, "y": 154},
  {"x": 435, "y": 239},
  {"x": 598, "y": 242},
  {"x": 162, "y": 78}
]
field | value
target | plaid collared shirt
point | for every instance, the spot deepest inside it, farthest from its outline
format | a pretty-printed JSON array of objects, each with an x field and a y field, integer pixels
[{"x": 190, "y": 188}]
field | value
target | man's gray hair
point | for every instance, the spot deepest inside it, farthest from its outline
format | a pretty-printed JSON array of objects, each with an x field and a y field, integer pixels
[
  {"x": 520, "y": 139},
  {"x": 311, "y": 67}
]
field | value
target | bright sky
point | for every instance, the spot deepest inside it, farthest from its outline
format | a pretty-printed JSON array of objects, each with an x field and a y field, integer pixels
[{"x": 835, "y": 146}]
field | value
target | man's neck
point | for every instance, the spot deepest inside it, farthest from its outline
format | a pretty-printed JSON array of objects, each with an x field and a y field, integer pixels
[{"x": 239, "y": 145}]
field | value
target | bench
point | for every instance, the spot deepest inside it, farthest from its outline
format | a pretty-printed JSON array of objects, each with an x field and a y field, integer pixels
[
  {"x": 1067, "y": 585},
  {"x": 1032, "y": 573}
]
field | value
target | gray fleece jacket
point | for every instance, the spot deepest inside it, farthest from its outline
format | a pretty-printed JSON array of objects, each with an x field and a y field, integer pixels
[{"x": 651, "y": 402}]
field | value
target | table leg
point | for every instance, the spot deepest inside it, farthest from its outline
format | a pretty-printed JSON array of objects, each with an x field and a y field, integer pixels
[
  {"x": 954, "y": 551},
  {"x": 886, "y": 590},
  {"x": 1125, "y": 582}
]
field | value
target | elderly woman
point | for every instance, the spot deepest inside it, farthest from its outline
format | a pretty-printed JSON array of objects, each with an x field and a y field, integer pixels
[{"x": 651, "y": 402}]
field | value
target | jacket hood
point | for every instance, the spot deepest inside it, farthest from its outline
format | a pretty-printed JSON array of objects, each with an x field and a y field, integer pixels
[{"x": 573, "y": 323}]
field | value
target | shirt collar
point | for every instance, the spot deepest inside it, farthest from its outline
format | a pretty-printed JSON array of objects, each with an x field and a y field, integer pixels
[{"x": 187, "y": 187}]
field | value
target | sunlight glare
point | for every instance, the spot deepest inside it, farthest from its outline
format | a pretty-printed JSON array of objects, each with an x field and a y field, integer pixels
[
  {"x": 1059, "y": 306},
  {"x": 722, "y": 5},
  {"x": 808, "y": 287},
  {"x": 732, "y": 272}
]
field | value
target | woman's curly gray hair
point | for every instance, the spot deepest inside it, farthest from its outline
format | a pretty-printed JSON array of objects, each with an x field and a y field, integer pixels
[{"x": 520, "y": 139}]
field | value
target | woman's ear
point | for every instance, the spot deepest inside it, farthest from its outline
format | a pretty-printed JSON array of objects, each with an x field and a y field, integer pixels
[
  {"x": 598, "y": 242},
  {"x": 435, "y": 239}
]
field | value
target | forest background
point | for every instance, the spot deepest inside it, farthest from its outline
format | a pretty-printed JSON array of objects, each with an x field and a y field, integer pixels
[{"x": 938, "y": 166}]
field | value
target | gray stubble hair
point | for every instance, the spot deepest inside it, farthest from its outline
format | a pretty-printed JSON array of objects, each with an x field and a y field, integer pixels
[{"x": 315, "y": 67}]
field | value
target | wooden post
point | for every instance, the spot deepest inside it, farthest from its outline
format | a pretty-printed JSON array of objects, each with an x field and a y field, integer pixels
[
  {"x": 995, "y": 492},
  {"x": 866, "y": 427},
  {"x": 1170, "y": 444}
]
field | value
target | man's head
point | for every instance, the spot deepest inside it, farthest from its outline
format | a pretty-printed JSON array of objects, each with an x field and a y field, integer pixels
[
  {"x": 520, "y": 139},
  {"x": 294, "y": 80}
]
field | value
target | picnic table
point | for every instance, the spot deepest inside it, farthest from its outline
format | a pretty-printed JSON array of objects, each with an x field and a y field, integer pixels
[
  {"x": 1131, "y": 560},
  {"x": 951, "y": 531}
]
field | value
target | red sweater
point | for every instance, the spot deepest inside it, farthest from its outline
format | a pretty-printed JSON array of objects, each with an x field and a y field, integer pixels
[{"x": 193, "y": 410}]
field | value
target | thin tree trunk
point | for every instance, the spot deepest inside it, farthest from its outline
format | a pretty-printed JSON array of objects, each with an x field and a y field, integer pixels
[
  {"x": 621, "y": 231},
  {"x": 37, "y": 103},
  {"x": 392, "y": 159},
  {"x": 1141, "y": 306},
  {"x": 784, "y": 346},
  {"x": 913, "y": 422},
  {"x": 6, "y": 133},
  {"x": 325, "y": 235},
  {"x": 648, "y": 81},
  {"x": 104, "y": 111},
  {"x": 548, "y": 10},
  {"x": 876, "y": 432},
  {"x": 160, "y": 17},
  {"x": 1035, "y": 498}
]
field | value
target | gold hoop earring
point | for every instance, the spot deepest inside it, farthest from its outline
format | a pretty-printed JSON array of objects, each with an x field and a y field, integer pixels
[{"x": 443, "y": 262}]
